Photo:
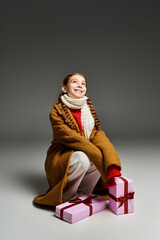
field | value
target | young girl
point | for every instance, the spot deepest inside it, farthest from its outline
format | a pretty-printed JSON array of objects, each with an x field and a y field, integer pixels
[{"x": 81, "y": 159}]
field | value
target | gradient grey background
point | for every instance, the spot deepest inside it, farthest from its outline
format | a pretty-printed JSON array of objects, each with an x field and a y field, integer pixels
[{"x": 115, "y": 44}]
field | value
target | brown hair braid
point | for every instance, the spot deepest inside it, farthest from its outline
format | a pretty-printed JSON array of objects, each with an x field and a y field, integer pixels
[
  {"x": 66, "y": 117},
  {"x": 94, "y": 114}
]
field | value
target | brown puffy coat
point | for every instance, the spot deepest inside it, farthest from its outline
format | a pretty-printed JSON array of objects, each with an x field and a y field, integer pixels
[{"x": 65, "y": 141}]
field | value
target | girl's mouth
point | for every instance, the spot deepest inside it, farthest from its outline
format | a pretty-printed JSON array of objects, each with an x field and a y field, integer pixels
[{"x": 78, "y": 90}]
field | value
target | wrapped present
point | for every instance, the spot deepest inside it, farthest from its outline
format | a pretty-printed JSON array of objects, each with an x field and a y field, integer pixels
[
  {"x": 79, "y": 208},
  {"x": 121, "y": 196}
]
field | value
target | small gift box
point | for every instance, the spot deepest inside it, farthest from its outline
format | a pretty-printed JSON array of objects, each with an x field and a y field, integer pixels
[
  {"x": 79, "y": 208},
  {"x": 121, "y": 196}
]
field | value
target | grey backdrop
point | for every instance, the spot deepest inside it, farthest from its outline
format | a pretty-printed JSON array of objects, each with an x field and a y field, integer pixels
[{"x": 114, "y": 43}]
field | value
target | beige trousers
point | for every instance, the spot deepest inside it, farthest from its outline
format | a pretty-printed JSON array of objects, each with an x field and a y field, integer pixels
[{"x": 82, "y": 176}]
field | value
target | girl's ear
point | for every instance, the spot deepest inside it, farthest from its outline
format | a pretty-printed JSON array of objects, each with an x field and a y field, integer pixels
[{"x": 64, "y": 89}]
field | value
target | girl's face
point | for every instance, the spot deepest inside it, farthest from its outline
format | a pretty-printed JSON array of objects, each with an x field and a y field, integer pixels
[{"x": 76, "y": 87}]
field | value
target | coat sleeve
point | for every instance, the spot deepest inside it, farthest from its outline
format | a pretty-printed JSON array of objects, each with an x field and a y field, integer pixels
[
  {"x": 109, "y": 153},
  {"x": 71, "y": 138}
]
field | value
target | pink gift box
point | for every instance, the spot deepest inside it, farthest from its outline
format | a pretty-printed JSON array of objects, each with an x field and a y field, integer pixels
[
  {"x": 121, "y": 196},
  {"x": 80, "y": 208}
]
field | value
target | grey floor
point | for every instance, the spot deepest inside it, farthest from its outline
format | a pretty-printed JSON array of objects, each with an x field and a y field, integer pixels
[{"x": 22, "y": 177}]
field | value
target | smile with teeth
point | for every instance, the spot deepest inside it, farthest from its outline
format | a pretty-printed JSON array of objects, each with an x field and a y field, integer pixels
[{"x": 78, "y": 90}]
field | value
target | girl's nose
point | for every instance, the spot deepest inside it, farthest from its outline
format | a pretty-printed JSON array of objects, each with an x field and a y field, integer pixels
[{"x": 80, "y": 85}]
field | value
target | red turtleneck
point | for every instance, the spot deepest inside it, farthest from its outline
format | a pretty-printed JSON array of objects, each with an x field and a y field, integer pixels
[{"x": 77, "y": 115}]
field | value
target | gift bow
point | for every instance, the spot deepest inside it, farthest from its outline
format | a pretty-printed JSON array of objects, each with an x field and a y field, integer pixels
[
  {"x": 123, "y": 199},
  {"x": 76, "y": 201}
]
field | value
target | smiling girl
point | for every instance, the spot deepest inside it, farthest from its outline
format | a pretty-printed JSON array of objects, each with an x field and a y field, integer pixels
[{"x": 81, "y": 159}]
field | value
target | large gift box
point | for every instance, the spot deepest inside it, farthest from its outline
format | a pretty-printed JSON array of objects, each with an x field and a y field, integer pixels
[
  {"x": 79, "y": 208},
  {"x": 121, "y": 196}
]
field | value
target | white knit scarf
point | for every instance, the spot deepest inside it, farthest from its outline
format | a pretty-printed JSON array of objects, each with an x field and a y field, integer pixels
[{"x": 86, "y": 116}]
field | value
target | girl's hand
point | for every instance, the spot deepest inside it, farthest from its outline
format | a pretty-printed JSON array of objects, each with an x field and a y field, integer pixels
[{"x": 113, "y": 172}]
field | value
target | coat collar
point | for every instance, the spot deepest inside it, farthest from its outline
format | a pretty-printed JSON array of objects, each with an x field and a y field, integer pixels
[{"x": 61, "y": 112}]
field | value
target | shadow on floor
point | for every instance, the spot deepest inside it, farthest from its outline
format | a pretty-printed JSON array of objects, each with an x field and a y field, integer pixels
[
  {"x": 36, "y": 183},
  {"x": 48, "y": 208},
  {"x": 33, "y": 181}
]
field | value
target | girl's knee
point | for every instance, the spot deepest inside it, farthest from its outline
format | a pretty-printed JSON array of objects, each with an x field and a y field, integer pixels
[{"x": 83, "y": 160}]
